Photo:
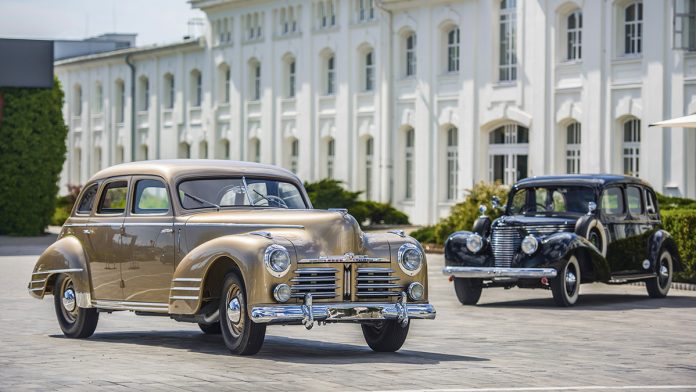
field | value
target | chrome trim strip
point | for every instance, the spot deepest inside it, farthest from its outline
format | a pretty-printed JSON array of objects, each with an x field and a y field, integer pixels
[
  {"x": 57, "y": 271},
  {"x": 95, "y": 224},
  {"x": 37, "y": 289},
  {"x": 346, "y": 258},
  {"x": 186, "y": 280},
  {"x": 186, "y": 288},
  {"x": 337, "y": 312},
  {"x": 37, "y": 281},
  {"x": 184, "y": 297},
  {"x": 156, "y": 307},
  {"x": 244, "y": 225},
  {"x": 375, "y": 270},
  {"x": 495, "y": 272}
]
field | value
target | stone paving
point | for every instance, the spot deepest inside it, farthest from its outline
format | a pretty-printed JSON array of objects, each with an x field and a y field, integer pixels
[{"x": 615, "y": 337}]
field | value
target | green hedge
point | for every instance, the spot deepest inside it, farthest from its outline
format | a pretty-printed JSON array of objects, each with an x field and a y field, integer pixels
[
  {"x": 682, "y": 225},
  {"x": 329, "y": 193},
  {"x": 33, "y": 149}
]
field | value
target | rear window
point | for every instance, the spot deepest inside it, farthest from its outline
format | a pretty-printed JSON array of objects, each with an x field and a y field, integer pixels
[
  {"x": 612, "y": 201},
  {"x": 113, "y": 200}
]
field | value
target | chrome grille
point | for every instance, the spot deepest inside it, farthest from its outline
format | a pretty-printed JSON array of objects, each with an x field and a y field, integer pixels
[
  {"x": 376, "y": 282},
  {"x": 548, "y": 229},
  {"x": 318, "y": 281},
  {"x": 506, "y": 240}
]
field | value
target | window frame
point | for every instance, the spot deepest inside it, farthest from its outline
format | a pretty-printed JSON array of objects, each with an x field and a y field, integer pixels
[
  {"x": 77, "y": 211},
  {"x": 507, "y": 42},
  {"x": 573, "y": 37},
  {"x": 133, "y": 193},
  {"x": 453, "y": 51},
  {"x": 102, "y": 194},
  {"x": 573, "y": 150},
  {"x": 410, "y": 54},
  {"x": 632, "y": 32},
  {"x": 624, "y": 211},
  {"x": 452, "y": 163},
  {"x": 641, "y": 201},
  {"x": 630, "y": 150}
]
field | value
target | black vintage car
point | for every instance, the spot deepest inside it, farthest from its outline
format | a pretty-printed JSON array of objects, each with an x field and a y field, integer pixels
[{"x": 559, "y": 231}]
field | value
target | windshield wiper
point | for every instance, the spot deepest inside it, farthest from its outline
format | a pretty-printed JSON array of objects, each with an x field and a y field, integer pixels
[{"x": 198, "y": 199}]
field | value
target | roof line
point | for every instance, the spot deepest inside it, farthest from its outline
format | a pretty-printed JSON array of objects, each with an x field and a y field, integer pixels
[{"x": 126, "y": 51}]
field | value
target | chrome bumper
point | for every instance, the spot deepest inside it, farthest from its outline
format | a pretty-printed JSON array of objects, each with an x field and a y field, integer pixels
[
  {"x": 308, "y": 313},
  {"x": 492, "y": 272}
]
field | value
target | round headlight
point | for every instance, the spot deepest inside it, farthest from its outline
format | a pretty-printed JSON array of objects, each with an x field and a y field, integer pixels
[
  {"x": 410, "y": 258},
  {"x": 415, "y": 291},
  {"x": 474, "y": 243},
  {"x": 277, "y": 260},
  {"x": 282, "y": 293},
  {"x": 529, "y": 244}
]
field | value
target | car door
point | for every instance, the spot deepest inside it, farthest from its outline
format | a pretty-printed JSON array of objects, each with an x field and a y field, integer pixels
[
  {"x": 148, "y": 242},
  {"x": 104, "y": 231},
  {"x": 613, "y": 216},
  {"x": 638, "y": 230}
]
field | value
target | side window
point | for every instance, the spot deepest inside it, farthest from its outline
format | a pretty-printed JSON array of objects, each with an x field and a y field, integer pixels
[
  {"x": 87, "y": 201},
  {"x": 540, "y": 197},
  {"x": 519, "y": 202},
  {"x": 635, "y": 201},
  {"x": 113, "y": 200},
  {"x": 651, "y": 204},
  {"x": 558, "y": 199},
  {"x": 612, "y": 201},
  {"x": 150, "y": 197}
]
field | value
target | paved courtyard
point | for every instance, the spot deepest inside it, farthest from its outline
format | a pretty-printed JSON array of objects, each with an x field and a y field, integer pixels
[{"x": 616, "y": 338}]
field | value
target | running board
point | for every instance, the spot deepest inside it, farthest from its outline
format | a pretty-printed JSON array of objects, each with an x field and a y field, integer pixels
[{"x": 619, "y": 279}]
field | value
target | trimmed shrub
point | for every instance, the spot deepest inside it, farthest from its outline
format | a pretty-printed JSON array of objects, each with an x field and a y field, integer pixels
[
  {"x": 682, "y": 225},
  {"x": 33, "y": 149},
  {"x": 329, "y": 193},
  {"x": 675, "y": 203},
  {"x": 64, "y": 205}
]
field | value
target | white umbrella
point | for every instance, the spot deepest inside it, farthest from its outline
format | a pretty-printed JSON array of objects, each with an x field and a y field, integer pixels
[{"x": 679, "y": 122}]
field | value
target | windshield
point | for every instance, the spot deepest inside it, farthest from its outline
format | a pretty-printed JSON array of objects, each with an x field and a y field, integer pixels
[
  {"x": 239, "y": 192},
  {"x": 550, "y": 200}
]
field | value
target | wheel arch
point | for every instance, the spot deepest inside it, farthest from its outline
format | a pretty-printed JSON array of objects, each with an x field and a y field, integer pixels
[
  {"x": 661, "y": 239},
  {"x": 561, "y": 246}
]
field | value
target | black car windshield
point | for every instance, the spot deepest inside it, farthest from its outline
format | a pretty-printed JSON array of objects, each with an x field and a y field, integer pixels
[
  {"x": 551, "y": 200},
  {"x": 239, "y": 192}
]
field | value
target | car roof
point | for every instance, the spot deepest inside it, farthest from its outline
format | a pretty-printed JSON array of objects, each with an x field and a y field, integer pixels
[
  {"x": 596, "y": 180},
  {"x": 174, "y": 169}
]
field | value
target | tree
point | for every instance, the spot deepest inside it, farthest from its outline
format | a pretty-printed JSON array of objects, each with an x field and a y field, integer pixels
[{"x": 32, "y": 153}]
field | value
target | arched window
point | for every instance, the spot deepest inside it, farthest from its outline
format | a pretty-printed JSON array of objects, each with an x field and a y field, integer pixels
[
  {"x": 294, "y": 155},
  {"x": 369, "y": 159},
  {"x": 573, "y": 140},
  {"x": 411, "y": 54},
  {"x": 196, "y": 88},
  {"x": 366, "y": 10},
  {"x": 369, "y": 71},
  {"x": 292, "y": 78},
  {"x": 255, "y": 150},
  {"x": 120, "y": 99},
  {"x": 169, "y": 91},
  {"x": 98, "y": 98},
  {"x": 631, "y": 147},
  {"x": 453, "y": 50},
  {"x": 184, "y": 150},
  {"x": 452, "y": 162},
  {"x": 408, "y": 157},
  {"x": 77, "y": 100},
  {"x": 574, "y": 36},
  {"x": 330, "y": 75},
  {"x": 508, "y": 40},
  {"x": 223, "y": 149},
  {"x": 255, "y": 80},
  {"x": 226, "y": 75},
  {"x": 144, "y": 96},
  {"x": 633, "y": 28},
  {"x": 330, "y": 158},
  {"x": 508, "y": 151},
  {"x": 203, "y": 150}
]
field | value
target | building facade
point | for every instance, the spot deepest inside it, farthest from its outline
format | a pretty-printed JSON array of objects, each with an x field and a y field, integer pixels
[{"x": 410, "y": 101}]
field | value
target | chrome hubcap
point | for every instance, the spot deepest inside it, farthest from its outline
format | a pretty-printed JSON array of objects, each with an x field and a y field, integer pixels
[
  {"x": 69, "y": 299},
  {"x": 570, "y": 278},
  {"x": 234, "y": 313},
  {"x": 664, "y": 271}
]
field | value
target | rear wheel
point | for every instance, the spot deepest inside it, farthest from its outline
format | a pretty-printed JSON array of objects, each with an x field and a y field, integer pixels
[
  {"x": 468, "y": 290},
  {"x": 658, "y": 287},
  {"x": 385, "y": 336},
  {"x": 566, "y": 286},
  {"x": 242, "y": 336},
  {"x": 74, "y": 321}
]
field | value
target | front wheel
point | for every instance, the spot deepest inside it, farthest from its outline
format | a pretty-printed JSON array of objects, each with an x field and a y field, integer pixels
[
  {"x": 242, "y": 336},
  {"x": 74, "y": 321},
  {"x": 658, "y": 287},
  {"x": 566, "y": 286},
  {"x": 468, "y": 290},
  {"x": 386, "y": 336}
]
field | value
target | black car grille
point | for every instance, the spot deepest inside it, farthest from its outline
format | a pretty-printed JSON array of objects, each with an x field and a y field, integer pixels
[{"x": 506, "y": 240}]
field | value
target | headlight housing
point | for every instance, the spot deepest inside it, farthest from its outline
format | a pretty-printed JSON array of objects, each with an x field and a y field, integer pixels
[
  {"x": 416, "y": 291},
  {"x": 277, "y": 260},
  {"x": 410, "y": 258},
  {"x": 474, "y": 243},
  {"x": 282, "y": 293},
  {"x": 529, "y": 245}
]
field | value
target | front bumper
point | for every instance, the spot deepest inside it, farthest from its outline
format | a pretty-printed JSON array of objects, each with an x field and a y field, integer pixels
[
  {"x": 308, "y": 313},
  {"x": 494, "y": 272}
]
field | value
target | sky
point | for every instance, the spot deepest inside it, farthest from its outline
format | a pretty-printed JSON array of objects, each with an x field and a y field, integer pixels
[{"x": 155, "y": 21}]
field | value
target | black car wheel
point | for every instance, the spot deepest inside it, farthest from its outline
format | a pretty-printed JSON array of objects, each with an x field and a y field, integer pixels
[
  {"x": 468, "y": 290},
  {"x": 242, "y": 336},
  {"x": 566, "y": 286},
  {"x": 74, "y": 321},
  {"x": 385, "y": 336},
  {"x": 658, "y": 287}
]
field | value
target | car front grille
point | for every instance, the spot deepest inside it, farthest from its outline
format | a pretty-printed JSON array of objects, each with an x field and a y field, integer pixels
[
  {"x": 321, "y": 282},
  {"x": 506, "y": 240},
  {"x": 345, "y": 282},
  {"x": 376, "y": 282}
]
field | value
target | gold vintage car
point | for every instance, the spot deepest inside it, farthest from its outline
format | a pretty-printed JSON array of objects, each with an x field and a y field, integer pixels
[{"x": 232, "y": 246}]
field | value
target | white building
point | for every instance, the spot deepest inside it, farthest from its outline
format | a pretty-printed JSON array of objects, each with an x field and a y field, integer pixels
[{"x": 411, "y": 101}]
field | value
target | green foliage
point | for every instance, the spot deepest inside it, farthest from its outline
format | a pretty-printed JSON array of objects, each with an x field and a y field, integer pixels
[
  {"x": 681, "y": 224},
  {"x": 33, "y": 149},
  {"x": 675, "y": 203},
  {"x": 463, "y": 215},
  {"x": 64, "y": 205},
  {"x": 329, "y": 193}
]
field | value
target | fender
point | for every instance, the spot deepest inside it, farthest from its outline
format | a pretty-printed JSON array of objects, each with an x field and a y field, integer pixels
[
  {"x": 555, "y": 248},
  {"x": 456, "y": 252},
  {"x": 64, "y": 256},
  {"x": 586, "y": 224},
  {"x": 245, "y": 251},
  {"x": 659, "y": 240},
  {"x": 482, "y": 226}
]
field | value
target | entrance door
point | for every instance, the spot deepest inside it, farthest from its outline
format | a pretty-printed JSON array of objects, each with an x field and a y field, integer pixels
[
  {"x": 148, "y": 242},
  {"x": 508, "y": 150}
]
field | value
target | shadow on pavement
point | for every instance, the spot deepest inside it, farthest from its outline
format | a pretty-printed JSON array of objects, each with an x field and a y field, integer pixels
[
  {"x": 606, "y": 302},
  {"x": 277, "y": 348}
]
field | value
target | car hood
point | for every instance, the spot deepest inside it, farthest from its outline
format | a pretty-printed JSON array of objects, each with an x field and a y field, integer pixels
[{"x": 528, "y": 221}]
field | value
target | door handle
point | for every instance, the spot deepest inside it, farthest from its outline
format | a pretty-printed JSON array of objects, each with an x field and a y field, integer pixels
[
  {"x": 88, "y": 231},
  {"x": 167, "y": 231}
]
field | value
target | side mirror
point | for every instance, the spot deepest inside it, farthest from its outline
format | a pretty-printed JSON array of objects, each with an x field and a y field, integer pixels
[
  {"x": 591, "y": 207},
  {"x": 495, "y": 202},
  {"x": 482, "y": 210}
]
